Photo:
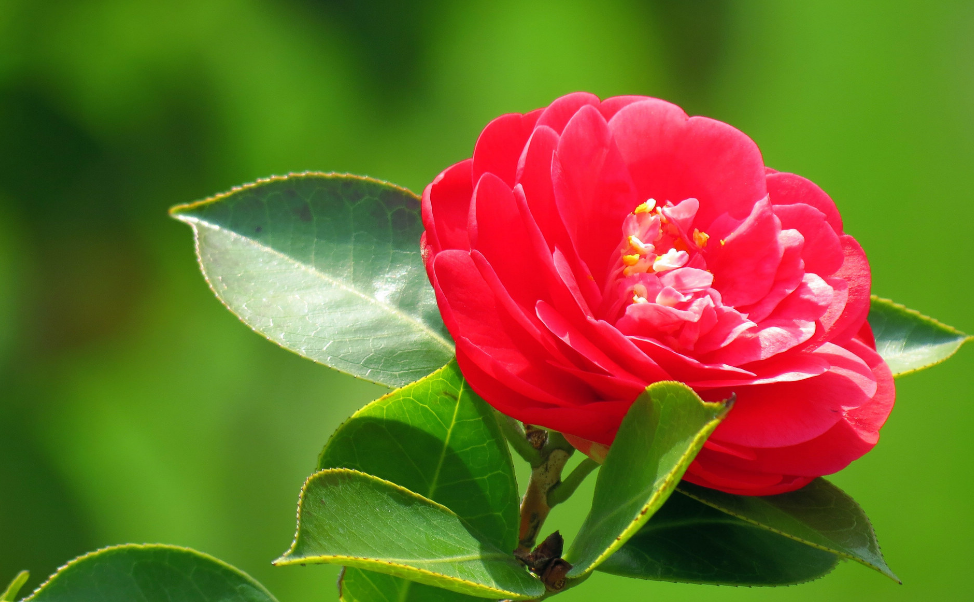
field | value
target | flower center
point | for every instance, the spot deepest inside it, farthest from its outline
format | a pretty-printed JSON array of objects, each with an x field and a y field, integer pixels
[{"x": 656, "y": 240}]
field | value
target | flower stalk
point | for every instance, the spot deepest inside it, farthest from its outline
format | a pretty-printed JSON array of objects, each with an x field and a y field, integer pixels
[{"x": 547, "y": 452}]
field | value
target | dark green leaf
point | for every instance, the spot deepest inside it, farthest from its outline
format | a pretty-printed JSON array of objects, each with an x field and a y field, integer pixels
[
  {"x": 690, "y": 542},
  {"x": 659, "y": 437},
  {"x": 329, "y": 267},
  {"x": 10, "y": 594},
  {"x": 436, "y": 438},
  {"x": 149, "y": 573},
  {"x": 908, "y": 340},
  {"x": 351, "y": 518},
  {"x": 357, "y": 585},
  {"x": 819, "y": 514}
]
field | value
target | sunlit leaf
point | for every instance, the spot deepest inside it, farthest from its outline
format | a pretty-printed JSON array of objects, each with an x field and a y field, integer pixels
[
  {"x": 819, "y": 514},
  {"x": 149, "y": 573},
  {"x": 435, "y": 437},
  {"x": 690, "y": 542},
  {"x": 351, "y": 518},
  {"x": 908, "y": 340},
  {"x": 329, "y": 267},
  {"x": 659, "y": 437}
]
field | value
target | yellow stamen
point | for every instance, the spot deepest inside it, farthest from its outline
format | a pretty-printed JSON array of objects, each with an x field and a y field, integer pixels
[
  {"x": 630, "y": 260},
  {"x": 646, "y": 207},
  {"x": 639, "y": 246},
  {"x": 700, "y": 238},
  {"x": 722, "y": 242}
]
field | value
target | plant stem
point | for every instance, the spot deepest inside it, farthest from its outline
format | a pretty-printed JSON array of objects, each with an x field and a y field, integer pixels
[
  {"x": 564, "y": 490},
  {"x": 515, "y": 434},
  {"x": 545, "y": 475},
  {"x": 534, "y": 505}
]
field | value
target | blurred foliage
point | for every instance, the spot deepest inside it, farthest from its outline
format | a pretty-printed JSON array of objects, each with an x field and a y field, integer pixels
[{"x": 135, "y": 408}]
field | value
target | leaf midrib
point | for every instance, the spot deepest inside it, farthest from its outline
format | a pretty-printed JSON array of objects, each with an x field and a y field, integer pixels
[{"x": 418, "y": 324}]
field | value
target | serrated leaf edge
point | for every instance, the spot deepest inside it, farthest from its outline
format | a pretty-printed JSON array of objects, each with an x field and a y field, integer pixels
[
  {"x": 372, "y": 403},
  {"x": 146, "y": 546},
  {"x": 367, "y": 563},
  {"x": 962, "y": 337},
  {"x": 196, "y": 223},
  {"x": 720, "y": 409},
  {"x": 175, "y": 210},
  {"x": 872, "y": 531}
]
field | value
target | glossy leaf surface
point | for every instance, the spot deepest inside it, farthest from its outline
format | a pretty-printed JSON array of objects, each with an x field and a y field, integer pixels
[
  {"x": 659, "y": 437},
  {"x": 437, "y": 438},
  {"x": 351, "y": 518},
  {"x": 329, "y": 267},
  {"x": 149, "y": 573},
  {"x": 819, "y": 514},
  {"x": 687, "y": 541},
  {"x": 357, "y": 585},
  {"x": 908, "y": 340}
]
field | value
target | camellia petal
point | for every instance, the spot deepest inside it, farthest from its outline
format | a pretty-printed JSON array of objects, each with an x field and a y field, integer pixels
[{"x": 592, "y": 248}]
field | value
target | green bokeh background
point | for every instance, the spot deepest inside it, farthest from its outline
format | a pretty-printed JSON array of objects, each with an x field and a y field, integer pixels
[{"x": 134, "y": 408}]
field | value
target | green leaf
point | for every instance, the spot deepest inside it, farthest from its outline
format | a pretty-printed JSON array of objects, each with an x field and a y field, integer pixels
[
  {"x": 437, "y": 438},
  {"x": 329, "y": 267},
  {"x": 659, "y": 437},
  {"x": 908, "y": 340},
  {"x": 351, "y": 518},
  {"x": 819, "y": 515},
  {"x": 10, "y": 594},
  {"x": 357, "y": 585},
  {"x": 690, "y": 542},
  {"x": 149, "y": 573}
]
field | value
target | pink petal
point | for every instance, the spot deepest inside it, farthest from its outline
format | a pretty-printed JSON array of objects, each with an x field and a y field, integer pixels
[
  {"x": 684, "y": 368},
  {"x": 672, "y": 158},
  {"x": 730, "y": 325},
  {"x": 593, "y": 357},
  {"x": 849, "y": 439},
  {"x": 687, "y": 279},
  {"x": 789, "y": 276},
  {"x": 446, "y": 204},
  {"x": 682, "y": 215},
  {"x": 554, "y": 269},
  {"x": 534, "y": 177},
  {"x": 794, "y": 367},
  {"x": 515, "y": 356},
  {"x": 609, "y": 386},
  {"x": 822, "y": 252},
  {"x": 511, "y": 310},
  {"x": 611, "y": 106},
  {"x": 624, "y": 352},
  {"x": 709, "y": 470},
  {"x": 852, "y": 283},
  {"x": 807, "y": 303},
  {"x": 559, "y": 113},
  {"x": 788, "y": 413},
  {"x": 788, "y": 189},
  {"x": 746, "y": 265},
  {"x": 592, "y": 188},
  {"x": 497, "y": 230},
  {"x": 500, "y": 144}
]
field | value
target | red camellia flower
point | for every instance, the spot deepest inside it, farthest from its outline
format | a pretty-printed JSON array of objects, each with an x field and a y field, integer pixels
[{"x": 591, "y": 248}]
